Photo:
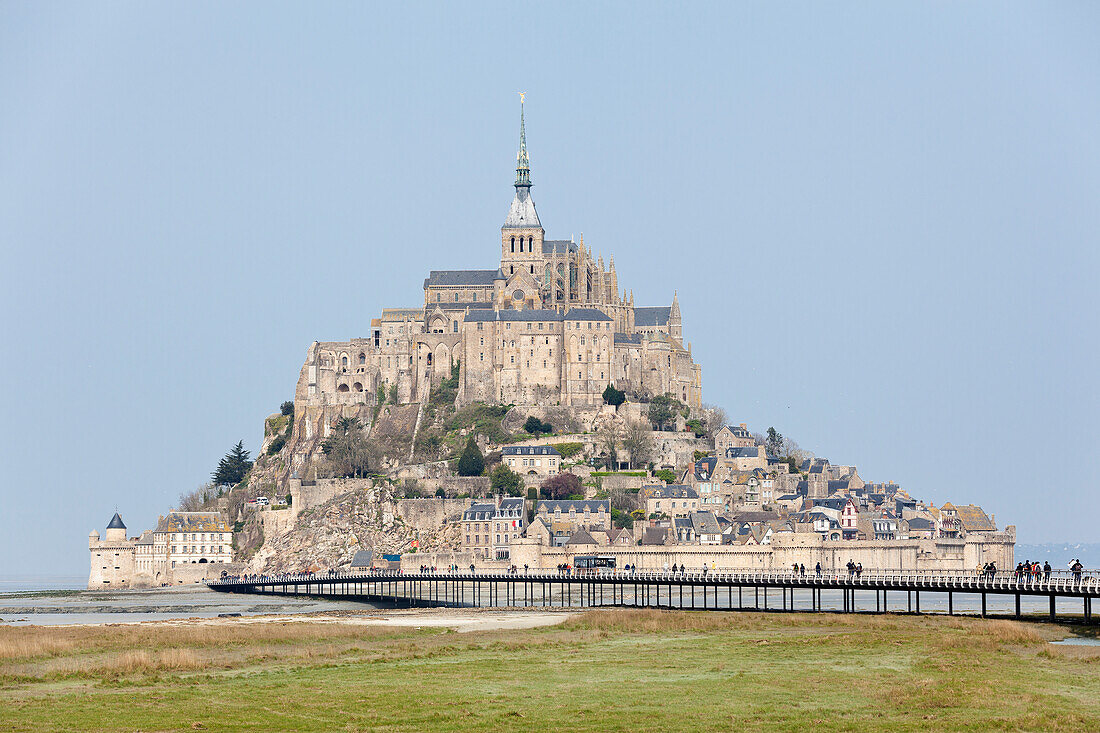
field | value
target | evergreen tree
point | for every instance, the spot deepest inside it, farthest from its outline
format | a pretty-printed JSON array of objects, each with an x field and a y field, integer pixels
[
  {"x": 774, "y": 442},
  {"x": 233, "y": 467},
  {"x": 613, "y": 397},
  {"x": 471, "y": 462}
]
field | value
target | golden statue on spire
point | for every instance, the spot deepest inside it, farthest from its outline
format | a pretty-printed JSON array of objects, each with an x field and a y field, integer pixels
[{"x": 522, "y": 97}]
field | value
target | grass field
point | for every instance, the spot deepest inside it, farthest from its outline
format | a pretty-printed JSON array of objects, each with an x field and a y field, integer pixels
[{"x": 603, "y": 670}]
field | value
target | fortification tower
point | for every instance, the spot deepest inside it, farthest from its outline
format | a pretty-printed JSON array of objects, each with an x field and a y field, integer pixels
[{"x": 116, "y": 530}]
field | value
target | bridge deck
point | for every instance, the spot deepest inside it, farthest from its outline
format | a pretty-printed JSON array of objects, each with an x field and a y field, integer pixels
[{"x": 596, "y": 588}]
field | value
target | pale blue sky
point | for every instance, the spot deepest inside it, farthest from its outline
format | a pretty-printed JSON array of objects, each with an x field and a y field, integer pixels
[{"x": 881, "y": 218}]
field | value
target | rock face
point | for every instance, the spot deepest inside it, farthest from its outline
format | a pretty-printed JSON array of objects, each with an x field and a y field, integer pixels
[{"x": 328, "y": 536}]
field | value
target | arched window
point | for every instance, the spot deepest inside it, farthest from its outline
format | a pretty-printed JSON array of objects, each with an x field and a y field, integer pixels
[
  {"x": 362, "y": 358},
  {"x": 530, "y": 244},
  {"x": 344, "y": 361},
  {"x": 513, "y": 244}
]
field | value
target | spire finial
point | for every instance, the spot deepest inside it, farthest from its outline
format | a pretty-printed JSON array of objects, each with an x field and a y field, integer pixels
[{"x": 523, "y": 163}]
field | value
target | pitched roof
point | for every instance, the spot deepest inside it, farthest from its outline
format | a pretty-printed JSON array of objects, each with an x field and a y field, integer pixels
[
  {"x": 580, "y": 537},
  {"x": 193, "y": 522},
  {"x": 459, "y": 278},
  {"x": 652, "y": 316},
  {"x": 557, "y": 246},
  {"x": 530, "y": 314},
  {"x": 654, "y": 536},
  {"x": 632, "y": 338},
  {"x": 705, "y": 523},
  {"x": 672, "y": 491},
  {"x": 522, "y": 214},
  {"x": 586, "y": 314},
  {"x": 362, "y": 559},
  {"x": 530, "y": 450},
  {"x": 974, "y": 519},
  {"x": 578, "y": 505},
  {"x": 116, "y": 522}
]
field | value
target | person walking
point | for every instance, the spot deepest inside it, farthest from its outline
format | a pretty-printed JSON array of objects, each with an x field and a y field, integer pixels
[
  {"x": 1077, "y": 568},
  {"x": 818, "y": 570},
  {"x": 1046, "y": 570}
]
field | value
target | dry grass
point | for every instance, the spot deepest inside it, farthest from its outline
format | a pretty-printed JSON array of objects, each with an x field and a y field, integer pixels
[{"x": 602, "y": 670}]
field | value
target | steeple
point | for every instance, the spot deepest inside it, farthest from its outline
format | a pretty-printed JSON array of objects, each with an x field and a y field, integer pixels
[
  {"x": 523, "y": 163},
  {"x": 522, "y": 214}
]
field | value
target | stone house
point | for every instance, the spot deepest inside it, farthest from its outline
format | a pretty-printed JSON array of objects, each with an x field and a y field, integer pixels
[
  {"x": 533, "y": 462},
  {"x": 488, "y": 528},
  {"x": 673, "y": 500},
  {"x": 576, "y": 513}
]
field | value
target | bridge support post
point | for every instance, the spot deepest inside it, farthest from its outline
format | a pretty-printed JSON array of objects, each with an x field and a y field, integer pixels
[
  {"x": 1052, "y": 609},
  {"x": 950, "y": 603},
  {"x": 1017, "y": 605},
  {"x": 909, "y": 601},
  {"x": 983, "y": 605},
  {"x": 916, "y": 599}
]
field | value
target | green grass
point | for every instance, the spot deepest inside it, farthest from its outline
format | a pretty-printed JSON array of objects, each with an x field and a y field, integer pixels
[{"x": 606, "y": 670}]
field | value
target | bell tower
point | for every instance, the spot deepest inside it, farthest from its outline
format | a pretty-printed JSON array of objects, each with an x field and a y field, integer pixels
[{"x": 522, "y": 234}]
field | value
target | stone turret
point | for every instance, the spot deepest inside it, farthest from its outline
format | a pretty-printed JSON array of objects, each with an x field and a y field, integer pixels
[{"x": 116, "y": 530}]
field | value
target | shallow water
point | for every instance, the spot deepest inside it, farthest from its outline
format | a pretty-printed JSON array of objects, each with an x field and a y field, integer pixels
[
  {"x": 1078, "y": 641},
  {"x": 55, "y": 607}
]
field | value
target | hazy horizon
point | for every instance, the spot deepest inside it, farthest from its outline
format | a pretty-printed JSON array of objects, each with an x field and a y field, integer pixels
[{"x": 881, "y": 222}]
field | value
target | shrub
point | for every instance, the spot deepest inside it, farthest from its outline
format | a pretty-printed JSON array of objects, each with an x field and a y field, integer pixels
[
  {"x": 696, "y": 426},
  {"x": 440, "y": 493},
  {"x": 534, "y": 426},
  {"x": 613, "y": 397},
  {"x": 276, "y": 445},
  {"x": 287, "y": 408},
  {"x": 568, "y": 450},
  {"x": 665, "y": 475}
]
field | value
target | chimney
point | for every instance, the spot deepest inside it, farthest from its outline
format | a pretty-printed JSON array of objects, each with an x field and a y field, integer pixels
[{"x": 744, "y": 425}]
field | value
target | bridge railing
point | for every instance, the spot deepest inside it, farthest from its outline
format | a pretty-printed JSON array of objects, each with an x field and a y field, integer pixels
[{"x": 1004, "y": 581}]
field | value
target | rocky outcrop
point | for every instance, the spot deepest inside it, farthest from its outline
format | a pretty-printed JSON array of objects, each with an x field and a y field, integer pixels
[{"x": 328, "y": 536}]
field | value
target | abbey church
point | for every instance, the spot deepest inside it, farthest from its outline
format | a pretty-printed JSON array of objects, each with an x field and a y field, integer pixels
[{"x": 549, "y": 325}]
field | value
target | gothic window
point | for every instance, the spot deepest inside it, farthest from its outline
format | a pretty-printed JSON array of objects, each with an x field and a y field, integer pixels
[
  {"x": 511, "y": 269},
  {"x": 530, "y": 244},
  {"x": 362, "y": 358},
  {"x": 513, "y": 244},
  {"x": 344, "y": 361},
  {"x": 456, "y": 297},
  {"x": 438, "y": 299},
  {"x": 532, "y": 269},
  {"x": 454, "y": 326}
]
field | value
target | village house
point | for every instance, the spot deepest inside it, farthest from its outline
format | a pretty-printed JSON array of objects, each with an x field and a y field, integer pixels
[
  {"x": 674, "y": 500},
  {"x": 488, "y": 528},
  {"x": 532, "y": 462}
]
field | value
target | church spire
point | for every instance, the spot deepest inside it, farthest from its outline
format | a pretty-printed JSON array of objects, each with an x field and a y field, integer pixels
[{"x": 523, "y": 163}]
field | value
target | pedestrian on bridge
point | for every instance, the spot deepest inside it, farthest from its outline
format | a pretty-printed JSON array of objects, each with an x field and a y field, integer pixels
[{"x": 1046, "y": 570}]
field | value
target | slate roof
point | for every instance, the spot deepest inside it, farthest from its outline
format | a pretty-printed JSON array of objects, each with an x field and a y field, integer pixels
[
  {"x": 586, "y": 314},
  {"x": 737, "y": 430},
  {"x": 654, "y": 536},
  {"x": 578, "y": 505},
  {"x": 530, "y": 450},
  {"x": 628, "y": 338},
  {"x": 580, "y": 537},
  {"x": 921, "y": 523},
  {"x": 652, "y": 316},
  {"x": 557, "y": 246},
  {"x": 478, "y": 512},
  {"x": 744, "y": 451},
  {"x": 362, "y": 559},
  {"x": 116, "y": 522},
  {"x": 193, "y": 522},
  {"x": 531, "y": 314},
  {"x": 460, "y": 278},
  {"x": 673, "y": 491},
  {"x": 704, "y": 468},
  {"x": 705, "y": 523}
]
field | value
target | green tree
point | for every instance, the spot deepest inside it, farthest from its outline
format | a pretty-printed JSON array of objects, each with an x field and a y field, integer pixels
[
  {"x": 504, "y": 480},
  {"x": 346, "y": 449},
  {"x": 287, "y": 408},
  {"x": 233, "y": 467},
  {"x": 534, "y": 426},
  {"x": 471, "y": 462},
  {"x": 663, "y": 410},
  {"x": 612, "y": 396},
  {"x": 773, "y": 444}
]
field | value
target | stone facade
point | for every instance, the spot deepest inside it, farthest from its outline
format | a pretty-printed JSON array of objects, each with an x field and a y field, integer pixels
[
  {"x": 185, "y": 547},
  {"x": 548, "y": 326}
]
